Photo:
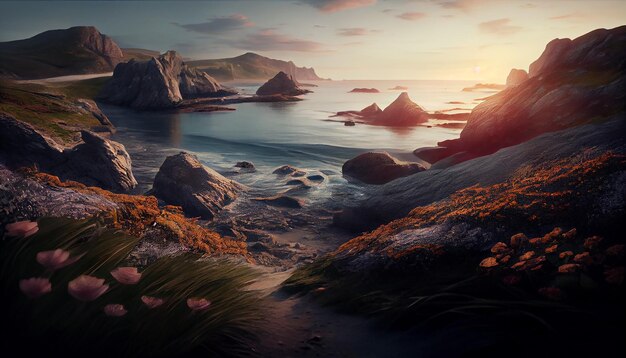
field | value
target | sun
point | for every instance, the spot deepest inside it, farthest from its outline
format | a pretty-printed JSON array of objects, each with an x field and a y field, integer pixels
[{"x": 476, "y": 69}]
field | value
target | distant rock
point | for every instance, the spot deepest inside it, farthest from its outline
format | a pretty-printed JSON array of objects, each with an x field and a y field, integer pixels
[
  {"x": 161, "y": 82},
  {"x": 349, "y": 123},
  {"x": 286, "y": 170},
  {"x": 73, "y": 51},
  {"x": 245, "y": 165},
  {"x": 182, "y": 180},
  {"x": 96, "y": 161},
  {"x": 399, "y": 88},
  {"x": 282, "y": 84},
  {"x": 371, "y": 110},
  {"x": 401, "y": 112},
  {"x": 364, "y": 90},
  {"x": 516, "y": 77},
  {"x": 484, "y": 87},
  {"x": 378, "y": 168}
]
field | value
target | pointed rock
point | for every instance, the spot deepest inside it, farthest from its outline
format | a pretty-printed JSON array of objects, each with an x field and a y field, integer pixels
[
  {"x": 516, "y": 77},
  {"x": 283, "y": 84},
  {"x": 402, "y": 112}
]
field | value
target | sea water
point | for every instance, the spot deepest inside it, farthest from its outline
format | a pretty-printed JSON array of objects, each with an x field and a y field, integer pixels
[{"x": 295, "y": 133}]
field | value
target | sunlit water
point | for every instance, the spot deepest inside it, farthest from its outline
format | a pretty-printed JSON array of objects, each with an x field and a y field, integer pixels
[{"x": 275, "y": 134}]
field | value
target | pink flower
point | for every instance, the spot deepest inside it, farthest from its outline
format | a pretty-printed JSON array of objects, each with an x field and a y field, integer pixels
[
  {"x": 35, "y": 287},
  {"x": 87, "y": 288},
  {"x": 126, "y": 275},
  {"x": 198, "y": 304},
  {"x": 152, "y": 302},
  {"x": 115, "y": 310},
  {"x": 22, "y": 228},
  {"x": 55, "y": 259}
]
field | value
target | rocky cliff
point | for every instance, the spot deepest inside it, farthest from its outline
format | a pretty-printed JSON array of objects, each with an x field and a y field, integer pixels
[
  {"x": 96, "y": 161},
  {"x": 77, "y": 50},
  {"x": 161, "y": 82},
  {"x": 516, "y": 77},
  {"x": 252, "y": 66},
  {"x": 573, "y": 82}
]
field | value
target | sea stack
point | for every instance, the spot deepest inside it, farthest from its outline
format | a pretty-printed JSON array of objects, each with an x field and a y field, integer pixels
[
  {"x": 161, "y": 82},
  {"x": 401, "y": 113},
  {"x": 516, "y": 77},
  {"x": 281, "y": 84}
]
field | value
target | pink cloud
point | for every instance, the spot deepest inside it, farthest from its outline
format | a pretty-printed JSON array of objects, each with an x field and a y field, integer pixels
[
  {"x": 411, "y": 16},
  {"x": 499, "y": 27},
  {"x": 338, "y": 5}
]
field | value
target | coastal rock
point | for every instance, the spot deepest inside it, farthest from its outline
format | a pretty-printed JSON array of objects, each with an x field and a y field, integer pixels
[
  {"x": 245, "y": 165},
  {"x": 287, "y": 170},
  {"x": 401, "y": 112},
  {"x": 161, "y": 82},
  {"x": 96, "y": 161},
  {"x": 283, "y": 84},
  {"x": 378, "y": 168},
  {"x": 516, "y": 77},
  {"x": 574, "y": 82},
  {"x": 399, "y": 88},
  {"x": 282, "y": 201},
  {"x": 182, "y": 180},
  {"x": 364, "y": 90},
  {"x": 99, "y": 162},
  {"x": 371, "y": 110}
]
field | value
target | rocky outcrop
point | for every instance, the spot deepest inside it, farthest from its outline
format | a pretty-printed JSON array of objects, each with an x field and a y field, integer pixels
[
  {"x": 77, "y": 50},
  {"x": 161, "y": 82},
  {"x": 573, "y": 82},
  {"x": 378, "y": 168},
  {"x": 281, "y": 84},
  {"x": 401, "y": 113},
  {"x": 516, "y": 77},
  {"x": 364, "y": 90},
  {"x": 369, "y": 111},
  {"x": 96, "y": 161},
  {"x": 182, "y": 180}
]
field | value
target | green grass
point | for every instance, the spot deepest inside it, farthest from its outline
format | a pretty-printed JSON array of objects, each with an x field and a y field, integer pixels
[
  {"x": 82, "y": 89},
  {"x": 57, "y": 320}
]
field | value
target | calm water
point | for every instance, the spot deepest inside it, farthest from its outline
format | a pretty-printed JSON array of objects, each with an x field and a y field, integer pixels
[{"x": 274, "y": 134}]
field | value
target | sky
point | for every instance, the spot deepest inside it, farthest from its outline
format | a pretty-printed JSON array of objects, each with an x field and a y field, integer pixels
[{"x": 478, "y": 40}]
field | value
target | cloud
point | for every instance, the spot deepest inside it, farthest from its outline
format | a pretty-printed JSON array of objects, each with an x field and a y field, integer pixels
[
  {"x": 465, "y": 5},
  {"x": 269, "y": 40},
  {"x": 499, "y": 27},
  {"x": 411, "y": 16},
  {"x": 352, "y": 31},
  {"x": 219, "y": 24},
  {"x": 338, "y": 5},
  {"x": 572, "y": 16}
]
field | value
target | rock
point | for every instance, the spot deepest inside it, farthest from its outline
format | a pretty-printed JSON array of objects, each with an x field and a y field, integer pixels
[
  {"x": 96, "y": 162},
  {"x": 246, "y": 166},
  {"x": 349, "y": 123},
  {"x": 91, "y": 107},
  {"x": 316, "y": 178},
  {"x": 433, "y": 154},
  {"x": 364, "y": 90},
  {"x": 282, "y": 201},
  {"x": 287, "y": 170},
  {"x": 299, "y": 182},
  {"x": 516, "y": 77},
  {"x": 371, "y": 110},
  {"x": 161, "y": 82},
  {"x": 378, "y": 168},
  {"x": 282, "y": 84},
  {"x": 401, "y": 112},
  {"x": 182, "y": 180},
  {"x": 99, "y": 162},
  {"x": 399, "y": 88}
]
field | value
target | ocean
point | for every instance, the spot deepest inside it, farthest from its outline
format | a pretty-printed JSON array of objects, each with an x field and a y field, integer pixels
[{"x": 297, "y": 133}]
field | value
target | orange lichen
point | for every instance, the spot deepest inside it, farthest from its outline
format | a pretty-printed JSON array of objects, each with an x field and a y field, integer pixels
[{"x": 136, "y": 214}]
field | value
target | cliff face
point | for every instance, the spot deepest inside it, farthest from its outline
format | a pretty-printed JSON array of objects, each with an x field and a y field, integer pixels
[
  {"x": 161, "y": 82},
  {"x": 573, "y": 82},
  {"x": 253, "y": 66},
  {"x": 77, "y": 50}
]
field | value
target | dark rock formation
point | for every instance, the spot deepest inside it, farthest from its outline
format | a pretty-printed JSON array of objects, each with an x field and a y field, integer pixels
[
  {"x": 364, "y": 90},
  {"x": 484, "y": 87},
  {"x": 369, "y": 111},
  {"x": 182, "y": 180},
  {"x": 573, "y": 82},
  {"x": 516, "y": 77},
  {"x": 282, "y": 201},
  {"x": 245, "y": 165},
  {"x": 77, "y": 50},
  {"x": 399, "y": 88},
  {"x": 287, "y": 170},
  {"x": 96, "y": 161},
  {"x": 283, "y": 84},
  {"x": 349, "y": 123},
  {"x": 378, "y": 168},
  {"x": 401, "y": 112},
  {"x": 161, "y": 82}
]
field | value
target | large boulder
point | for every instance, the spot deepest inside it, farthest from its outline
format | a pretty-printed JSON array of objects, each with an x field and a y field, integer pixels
[
  {"x": 401, "y": 112},
  {"x": 161, "y": 82},
  {"x": 96, "y": 161},
  {"x": 202, "y": 192},
  {"x": 516, "y": 77},
  {"x": 283, "y": 84},
  {"x": 378, "y": 168}
]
